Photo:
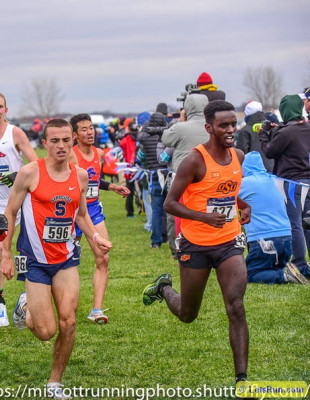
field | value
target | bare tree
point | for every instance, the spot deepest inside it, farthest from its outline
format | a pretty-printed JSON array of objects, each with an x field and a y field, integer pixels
[
  {"x": 41, "y": 97},
  {"x": 264, "y": 85}
]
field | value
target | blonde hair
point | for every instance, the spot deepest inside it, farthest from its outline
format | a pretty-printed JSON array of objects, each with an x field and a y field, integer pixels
[{"x": 2, "y": 95}]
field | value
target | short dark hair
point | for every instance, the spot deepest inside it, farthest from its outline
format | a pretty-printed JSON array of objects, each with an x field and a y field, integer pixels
[
  {"x": 55, "y": 123},
  {"x": 78, "y": 118},
  {"x": 214, "y": 107}
]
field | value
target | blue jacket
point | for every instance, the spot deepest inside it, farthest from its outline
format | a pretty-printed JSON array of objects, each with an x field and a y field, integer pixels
[{"x": 258, "y": 188}]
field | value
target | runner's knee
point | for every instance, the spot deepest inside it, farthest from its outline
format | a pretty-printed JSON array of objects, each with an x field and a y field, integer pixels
[{"x": 235, "y": 309}]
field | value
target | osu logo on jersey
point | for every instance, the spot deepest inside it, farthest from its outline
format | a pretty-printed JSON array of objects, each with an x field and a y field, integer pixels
[
  {"x": 226, "y": 187},
  {"x": 2, "y": 155}
]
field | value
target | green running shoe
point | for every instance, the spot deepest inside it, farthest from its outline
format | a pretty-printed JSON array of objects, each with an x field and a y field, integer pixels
[{"x": 153, "y": 291}]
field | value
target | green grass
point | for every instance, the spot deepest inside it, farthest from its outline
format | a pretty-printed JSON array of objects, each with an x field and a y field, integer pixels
[{"x": 143, "y": 346}]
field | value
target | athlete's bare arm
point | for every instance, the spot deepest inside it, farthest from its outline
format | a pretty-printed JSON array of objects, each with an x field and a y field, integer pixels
[
  {"x": 189, "y": 171},
  {"x": 22, "y": 144},
  {"x": 83, "y": 218},
  {"x": 121, "y": 190},
  {"x": 243, "y": 205},
  {"x": 26, "y": 180}
]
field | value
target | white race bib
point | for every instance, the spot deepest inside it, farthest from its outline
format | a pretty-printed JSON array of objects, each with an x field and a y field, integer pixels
[
  {"x": 21, "y": 264},
  {"x": 57, "y": 230},
  {"x": 224, "y": 205},
  {"x": 92, "y": 190}
]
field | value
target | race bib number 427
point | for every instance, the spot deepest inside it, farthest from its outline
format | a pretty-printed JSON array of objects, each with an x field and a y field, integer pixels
[{"x": 224, "y": 205}]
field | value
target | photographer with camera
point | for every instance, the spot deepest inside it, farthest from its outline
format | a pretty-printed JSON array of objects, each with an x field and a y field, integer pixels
[
  {"x": 290, "y": 149},
  {"x": 207, "y": 87}
]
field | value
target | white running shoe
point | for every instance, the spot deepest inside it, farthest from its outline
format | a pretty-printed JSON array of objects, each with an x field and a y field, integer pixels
[
  {"x": 19, "y": 316},
  {"x": 55, "y": 389},
  {"x": 4, "y": 320},
  {"x": 98, "y": 316}
]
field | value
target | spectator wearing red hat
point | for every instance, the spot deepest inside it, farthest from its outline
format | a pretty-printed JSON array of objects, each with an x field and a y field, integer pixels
[{"x": 207, "y": 87}]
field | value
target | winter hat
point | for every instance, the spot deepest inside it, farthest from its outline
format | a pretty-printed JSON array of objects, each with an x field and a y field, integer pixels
[
  {"x": 204, "y": 79},
  {"x": 121, "y": 120},
  {"x": 143, "y": 117},
  {"x": 157, "y": 119},
  {"x": 306, "y": 94},
  {"x": 127, "y": 122},
  {"x": 291, "y": 107},
  {"x": 252, "y": 107},
  {"x": 162, "y": 108}
]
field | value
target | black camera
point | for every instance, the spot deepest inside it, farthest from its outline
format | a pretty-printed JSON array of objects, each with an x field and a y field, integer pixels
[
  {"x": 266, "y": 125},
  {"x": 306, "y": 221},
  {"x": 156, "y": 130},
  {"x": 190, "y": 89}
]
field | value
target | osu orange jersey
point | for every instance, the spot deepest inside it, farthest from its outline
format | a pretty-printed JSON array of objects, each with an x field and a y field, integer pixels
[
  {"x": 217, "y": 191},
  {"x": 93, "y": 169},
  {"x": 48, "y": 214}
]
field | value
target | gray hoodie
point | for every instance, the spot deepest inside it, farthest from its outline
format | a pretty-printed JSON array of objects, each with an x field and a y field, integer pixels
[{"x": 184, "y": 136}]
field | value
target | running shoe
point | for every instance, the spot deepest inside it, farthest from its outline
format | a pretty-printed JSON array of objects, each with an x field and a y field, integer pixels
[
  {"x": 293, "y": 275},
  {"x": 54, "y": 390},
  {"x": 153, "y": 291},
  {"x": 19, "y": 315},
  {"x": 98, "y": 316},
  {"x": 4, "y": 320}
]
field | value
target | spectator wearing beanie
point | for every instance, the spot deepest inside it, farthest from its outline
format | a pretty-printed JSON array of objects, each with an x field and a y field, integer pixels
[
  {"x": 207, "y": 87},
  {"x": 248, "y": 140}
]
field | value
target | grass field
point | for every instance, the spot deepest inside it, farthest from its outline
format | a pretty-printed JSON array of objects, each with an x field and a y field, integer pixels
[{"x": 142, "y": 346}]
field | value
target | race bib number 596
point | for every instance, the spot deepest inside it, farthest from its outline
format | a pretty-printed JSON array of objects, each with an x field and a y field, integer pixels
[{"x": 57, "y": 230}]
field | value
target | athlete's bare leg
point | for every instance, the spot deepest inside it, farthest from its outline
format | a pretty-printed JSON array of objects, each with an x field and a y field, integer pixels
[
  {"x": 65, "y": 289},
  {"x": 100, "y": 278},
  {"x": 232, "y": 277},
  {"x": 40, "y": 317},
  {"x": 187, "y": 304}
]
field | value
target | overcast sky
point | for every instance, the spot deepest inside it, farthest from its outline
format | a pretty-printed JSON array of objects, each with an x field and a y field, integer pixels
[{"x": 128, "y": 55}]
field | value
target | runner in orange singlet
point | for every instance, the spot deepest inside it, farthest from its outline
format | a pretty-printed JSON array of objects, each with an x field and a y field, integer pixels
[
  {"x": 209, "y": 179},
  {"x": 52, "y": 195},
  {"x": 88, "y": 157}
]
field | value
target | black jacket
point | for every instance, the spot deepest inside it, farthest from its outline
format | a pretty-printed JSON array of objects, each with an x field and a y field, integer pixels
[
  {"x": 148, "y": 142},
  {"x": 290, "y": 148},
  {"x": 249, "y": 141}
]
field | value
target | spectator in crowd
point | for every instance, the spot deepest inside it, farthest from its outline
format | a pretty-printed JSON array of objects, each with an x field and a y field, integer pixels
[
  {"x": 158, "y": 189},
  {"x": 269, "y": 231},
  {"x": 142, "y": 119},
  {"x": 305, "y": 96},
  {"x": 290, "y": 148},
  {"x": 248, "y": 140},
  {"x": 207, "y": 87},
  {"x": 128, "y": 144},
  {"x": 183, "y": 136}
]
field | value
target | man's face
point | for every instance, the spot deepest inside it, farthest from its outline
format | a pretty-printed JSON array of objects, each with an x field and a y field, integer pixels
[
  {"x": 307, "y": 104},
  {"x": 85, "y": 132},
  {"x": 58, "y": 142},
  {"x": 223, "y": 128},
  {"x": 3, "y": 109}
]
